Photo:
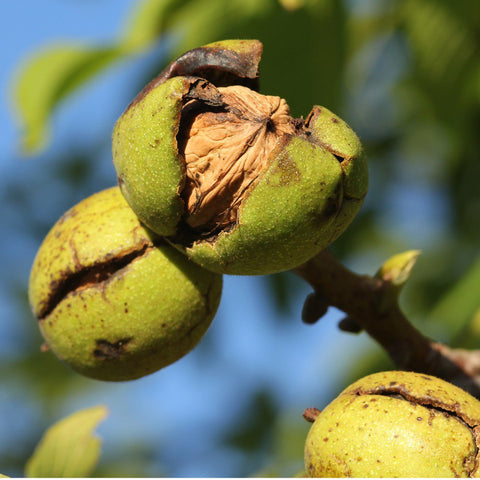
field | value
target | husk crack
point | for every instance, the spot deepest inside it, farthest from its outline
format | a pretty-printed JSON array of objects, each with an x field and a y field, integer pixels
[
  {"x": 90, "y": 276},
  {"x": 432, "y": 403}
]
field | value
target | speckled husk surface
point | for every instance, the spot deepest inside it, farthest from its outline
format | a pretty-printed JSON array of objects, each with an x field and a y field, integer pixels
[
  {"x": 396, "y": 424},
  {"x": 113, "y": 300}
]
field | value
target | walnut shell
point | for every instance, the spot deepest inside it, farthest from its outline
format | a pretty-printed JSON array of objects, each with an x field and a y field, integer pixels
[
  {"x": 227, "y": 174},
  {"x": 113, "y": 300}
]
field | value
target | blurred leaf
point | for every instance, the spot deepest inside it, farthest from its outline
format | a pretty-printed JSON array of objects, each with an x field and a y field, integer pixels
[
  {"x": 256, "y": 424},
  {"x": 457, "y": 308},
  {"x": 454, "y": 44},
  {"x": 470, "y": 337},
  {"x": 46, "y": 79},
  {"x": 289, "y": 437},
  {"x": 363, "y": 29},
  {"x": 147, "y": 22},
  {"x": 292, "y": 4},
  {"x": 68, "y": 448},
  {"x": 51, "y": 75},
  {"x": 286, "y": 459},
  {"x": 205, "y": 21}
]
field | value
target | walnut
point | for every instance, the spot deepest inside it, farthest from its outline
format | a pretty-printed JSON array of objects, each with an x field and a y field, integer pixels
[
  {"x": 226, "y": 174},
  {"x": 226, "y": 149}
]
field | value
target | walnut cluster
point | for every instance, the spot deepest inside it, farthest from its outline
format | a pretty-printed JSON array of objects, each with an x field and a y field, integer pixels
[{"x": 226, "y": 149}]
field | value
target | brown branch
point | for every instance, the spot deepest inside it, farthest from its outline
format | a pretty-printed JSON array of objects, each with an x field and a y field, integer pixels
[{"x": 367, "y": 301}]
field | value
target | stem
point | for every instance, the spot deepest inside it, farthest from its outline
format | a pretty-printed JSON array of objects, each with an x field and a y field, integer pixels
[{"x": 365, "y": 300}]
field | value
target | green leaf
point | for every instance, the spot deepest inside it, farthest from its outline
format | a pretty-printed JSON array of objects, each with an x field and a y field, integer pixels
[
  {"x": 68, "y": 448},
  {"x": 457, "y": 308},
  {"x": 453, "y": 48},
  {"x": 46, "y": 79},
  {"x": 149, "y": 20}
]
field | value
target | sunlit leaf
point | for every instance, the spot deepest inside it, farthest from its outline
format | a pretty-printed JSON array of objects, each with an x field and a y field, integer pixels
[
  {"x": 46, "y": 79},
  {"x": 68, "y": 448}
]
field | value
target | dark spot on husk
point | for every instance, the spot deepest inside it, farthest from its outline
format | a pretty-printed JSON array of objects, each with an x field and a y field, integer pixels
[
  {"x": 287, "y": 170},
  {"x": 106, "y": 350}
]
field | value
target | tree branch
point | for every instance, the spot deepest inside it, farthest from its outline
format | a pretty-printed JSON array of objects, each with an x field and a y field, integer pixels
[{"x": 368, "y": 302}]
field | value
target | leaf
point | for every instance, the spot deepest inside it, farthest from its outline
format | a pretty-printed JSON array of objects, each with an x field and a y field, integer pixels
[
  {"x": 46, "y": 79},
  {"x": 292, "y": 5},
  {"x": 68, "y": 448},
  {"x": 49, "y": 76},
  {"x": 365, "y": 29},
  {"x": 147, "y": 23},
  {"x": 457, "y": 308},
  {"x": 443, "y": 43}
]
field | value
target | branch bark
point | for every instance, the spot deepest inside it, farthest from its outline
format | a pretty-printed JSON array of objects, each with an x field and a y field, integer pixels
[{"x": 366, "y": 300}]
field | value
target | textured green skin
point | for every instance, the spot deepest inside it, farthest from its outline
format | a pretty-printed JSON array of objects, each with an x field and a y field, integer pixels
[
  {"x": 363, "y": 433},
  {"x": 146, "y": 159},
  {"x": 160, "y": 301},
  {"x": 337, "y": 137},
  {"x": 302, "y": 202}
]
